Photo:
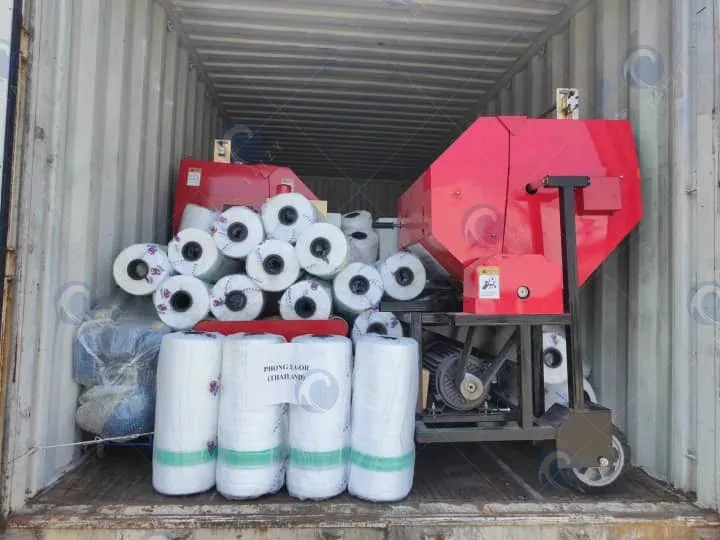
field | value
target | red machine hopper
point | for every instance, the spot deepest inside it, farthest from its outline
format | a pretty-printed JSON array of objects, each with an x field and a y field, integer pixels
[{"x": 482, "y": 214}]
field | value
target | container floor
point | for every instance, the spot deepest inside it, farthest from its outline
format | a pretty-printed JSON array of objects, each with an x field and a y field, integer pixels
[{"x": 461, "y": 491}]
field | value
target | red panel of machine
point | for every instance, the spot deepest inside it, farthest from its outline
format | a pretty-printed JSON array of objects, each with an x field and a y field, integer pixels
[
  {"x": 489, "y": 231},
  {"x": 219, "y": 185}
]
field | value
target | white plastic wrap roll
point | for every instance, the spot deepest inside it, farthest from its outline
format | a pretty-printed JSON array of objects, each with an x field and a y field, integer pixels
[
  {"x": 251, "y": 441},
  {"x": 287, "y": 215},
  {"x": 319, "y": 437},
  {"x": 182, "y": 301},
  {"x": 309, "y": 299},
  {"x": 193, "y": 252},
  {"x": 322, "y": 250},
  {"x": 554, "y": 355},
  {"x": 403, "y": 276},
  {"x": 237, "y": 231},
  {"x": 273, "y": 265},
  {"x": 141, "y": 268},
  {"x": 558, "y": 393},
  {"x": 385, "y": 389},
  {"x": 357, "y": 288},
  {"x": 376, "y": 322},
  {"x": 358, "y": 219},
  {"x": 236, "y": 298},
  {"x": 186, "y": 413},
  {"x": 198, "y": 217},
  {"x": 363, "y": 246}
]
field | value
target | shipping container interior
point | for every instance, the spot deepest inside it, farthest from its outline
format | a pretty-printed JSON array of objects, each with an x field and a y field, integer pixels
[{"x": 359, "y": 97}]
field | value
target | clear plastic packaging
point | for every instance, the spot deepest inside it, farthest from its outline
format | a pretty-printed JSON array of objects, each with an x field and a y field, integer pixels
[{"x": 115, "y": 360}]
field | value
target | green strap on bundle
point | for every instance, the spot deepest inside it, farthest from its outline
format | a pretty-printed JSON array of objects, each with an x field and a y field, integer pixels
[
  {"x": 251, "y": 459},
  {"x": 382, "y": 464},
  {"x": 183, "y": 459},
  {"x": 319, "y": 460}
]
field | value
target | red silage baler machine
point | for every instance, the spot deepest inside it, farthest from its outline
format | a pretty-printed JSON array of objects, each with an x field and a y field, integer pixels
[{"x": 517, "y": 214}]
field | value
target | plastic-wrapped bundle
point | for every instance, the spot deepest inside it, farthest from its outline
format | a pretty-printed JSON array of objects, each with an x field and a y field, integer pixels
[
  {"x": 403, "y": 276},
  {"x": 358, "y": 219},
  {"x": 385, "y": 381},
  {"x": 182, "y": 302},
  {"x": 198, "y": 217},
  {"x": 117, "y": 410},
  {"x": 186, "y": 413},
  {"x": 363, "y": 246},
  {"x": 251, "y": 441},
  {"x": 287, "y": 215},
  {"x": 139, "y": 269},
  {"x": 322, "y": 250},
  {"x": 236, "y": 298},
  {"x": 309, "y": 299},
  {"x": 237, "y": 231},
  {"x": 376, "y": 322},
  {"x": 356, "y": 289},
  {"x": 320, "y": 419},
  {"x": 193, "y": 252},
  {"x": 273, "y": 265}
]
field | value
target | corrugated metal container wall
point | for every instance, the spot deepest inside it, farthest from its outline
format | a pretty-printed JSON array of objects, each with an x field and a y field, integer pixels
[
  {"x": 655, "y": 360},
  {"x": 114, "y": 97},
  {"x": 345, "y": 194}
]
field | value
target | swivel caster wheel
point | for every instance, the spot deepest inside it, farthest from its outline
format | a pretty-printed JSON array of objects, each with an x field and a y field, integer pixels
[{"x": 592, "y": 480}]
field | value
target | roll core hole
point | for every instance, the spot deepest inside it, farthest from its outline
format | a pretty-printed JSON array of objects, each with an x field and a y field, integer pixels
[
  {"x": 273, "y": 265},
  {"x": 320, "y": 248},
  {"x": 181, "y": 301},
  {"x": 404, "y": 276},
  {"x": 352, "y": 214},
  {"x": 192, "y": 251},
  {"x": 287, "y": 215},
  {"x": 377, "y": 328},
  {"x": 235, "y": 301},
  {"x": 305, "y": 307},
  {"x": 552, "y": 357},
  {"x": 138, "y": 269},
  {"x": 359, "y": 285},
  {"x": 237, "y": 232},
  {"x": 357, "y": 235}
]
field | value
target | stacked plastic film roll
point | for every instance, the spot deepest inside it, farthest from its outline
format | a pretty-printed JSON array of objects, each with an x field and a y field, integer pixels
[
  {"x": 198, "y": 217},
  {"x": 182, "y": 301},
  {"x": 237, "y": 231},
  {"x": 236, "y": 298},
  {"x": 363, "y": 246},
  {"x": 319, "y": 437},
  {"x": 403, "y": 276},
  {"x": 193, "y": 252},
  {"x": 376, "y": 322},
  {"x": 356, "y": 289},
  {"x": 251, "y": 441},
  {"x": 186, "y": 413},
  {"x": 555, "y": 355},
  {"x": 140, "y": 269},
  {"x": 322, "y": 250},
  {"x": 357, "y": 220},
  {"x": 385, "y": 391},
  {"x": 273, "y": 265},
  {"x": 309, "y": 299},
  {"x": 287, "y": 215}
]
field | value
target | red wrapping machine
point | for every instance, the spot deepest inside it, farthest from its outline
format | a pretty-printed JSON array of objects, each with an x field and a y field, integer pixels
[{"x": 481, "y": 214}]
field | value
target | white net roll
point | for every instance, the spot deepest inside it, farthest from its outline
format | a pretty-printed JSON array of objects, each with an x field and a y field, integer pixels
[
  {"x": 236, "y": 298},
  {"x": 357, "y": 219},
  {"x": 357, "y": 288},
  {"x": 182, "y": 301},
  {"x": 376, "y": 322},
  {"x": 322, "y": 250},
  {"x": 309, "y": 299},
  {"x": 141, "y": 268},
  {"x": 193, "y": 252},
  {"x": 237, "y": 231},
  {"x": 287, "y": 215},
  {"x": 273, "y": 265},
  {"x": 403, "y": 276}
]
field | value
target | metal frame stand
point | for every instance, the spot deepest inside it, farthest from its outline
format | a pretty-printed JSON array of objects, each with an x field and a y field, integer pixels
[{"x": 583, "y": 431}]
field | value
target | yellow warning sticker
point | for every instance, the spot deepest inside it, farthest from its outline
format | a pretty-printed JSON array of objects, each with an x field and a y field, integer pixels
[{"x": 489, "y": 282}]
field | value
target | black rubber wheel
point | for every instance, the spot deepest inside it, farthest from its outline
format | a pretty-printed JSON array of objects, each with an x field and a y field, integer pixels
[{"x": 600, "y": 479}]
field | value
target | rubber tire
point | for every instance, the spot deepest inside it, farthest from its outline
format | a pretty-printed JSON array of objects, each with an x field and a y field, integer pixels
[{"x": 574, "y": 483}]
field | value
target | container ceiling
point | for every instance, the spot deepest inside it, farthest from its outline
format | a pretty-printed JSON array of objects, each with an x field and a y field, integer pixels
[{"x": 366, "y": 89}]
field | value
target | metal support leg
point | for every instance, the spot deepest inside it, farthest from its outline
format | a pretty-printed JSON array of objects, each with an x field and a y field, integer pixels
[
  {"x": 538, "y": 373},
  {"x": 416, "y": 332},
  {"x": 526, "y": 395}
]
